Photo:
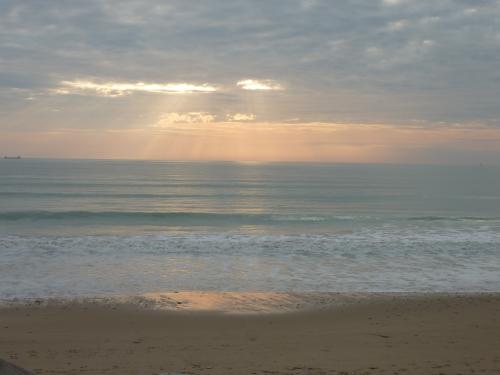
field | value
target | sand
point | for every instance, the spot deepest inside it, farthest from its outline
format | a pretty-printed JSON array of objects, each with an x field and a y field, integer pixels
[{"x": 435, "y": 334}]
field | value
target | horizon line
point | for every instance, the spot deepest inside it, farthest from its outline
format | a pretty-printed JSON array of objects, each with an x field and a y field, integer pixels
[{"x": 250, "y": 162}]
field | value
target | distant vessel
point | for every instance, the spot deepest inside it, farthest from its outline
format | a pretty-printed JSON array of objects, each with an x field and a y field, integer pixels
[{"x": 12, "y": 157}]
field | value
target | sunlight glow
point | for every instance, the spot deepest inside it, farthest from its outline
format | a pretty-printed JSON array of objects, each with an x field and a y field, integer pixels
[
  {"x": 184, "y": 118},
  {"x": 241, "y": 117},
  {"x": 212, "y": 140},
  {"x": 253, "y": 84},
  {"x": 116, "y": 89}
]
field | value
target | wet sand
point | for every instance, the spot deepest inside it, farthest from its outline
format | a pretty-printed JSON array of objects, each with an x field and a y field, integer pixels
[{"x": 433, "y": 334}]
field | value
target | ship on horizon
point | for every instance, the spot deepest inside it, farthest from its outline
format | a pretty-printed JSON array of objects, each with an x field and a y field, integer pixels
[{"x": 12, "y": 157}]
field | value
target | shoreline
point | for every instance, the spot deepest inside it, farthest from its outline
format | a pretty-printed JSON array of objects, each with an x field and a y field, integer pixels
[
  {"x": 230, "y": 302},
  {"x": 225, "y": 302},
  {"x": 391, "y": 334},
  {"x": 244, "y": 303}
]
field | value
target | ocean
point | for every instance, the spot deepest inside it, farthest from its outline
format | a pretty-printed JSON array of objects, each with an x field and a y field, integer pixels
[{"x": 90, "y": 228}]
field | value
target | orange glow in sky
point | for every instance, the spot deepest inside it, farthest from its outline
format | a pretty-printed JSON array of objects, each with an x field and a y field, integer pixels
[{"x": 364, "y": 143}]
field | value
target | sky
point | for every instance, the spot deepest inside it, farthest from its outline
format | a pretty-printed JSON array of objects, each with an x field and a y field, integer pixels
[{"x": 396, "y": 81}]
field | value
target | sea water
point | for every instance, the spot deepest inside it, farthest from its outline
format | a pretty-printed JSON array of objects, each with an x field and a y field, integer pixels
[{"x": 101, "y": 227}]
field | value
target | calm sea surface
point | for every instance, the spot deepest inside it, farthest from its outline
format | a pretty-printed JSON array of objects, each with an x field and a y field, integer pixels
[{"x": 90, "y": 228}]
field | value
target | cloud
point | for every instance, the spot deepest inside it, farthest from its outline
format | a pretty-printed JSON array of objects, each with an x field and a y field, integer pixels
[
  {"x": 170, "y": 118},
  {"x": 115, "y": 89},
  {"x": 241, "y": 117},
  {"x": 367, "y": 60},
  {"x": 392, "y": 2},
  {"x": 470, "y": 11},
  {"x": 255, "y": 85},
  {"x": 397, "y": 25}
]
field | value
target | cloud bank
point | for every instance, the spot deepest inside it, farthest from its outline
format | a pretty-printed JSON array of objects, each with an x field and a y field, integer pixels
[{"x": 124, "y": 63}]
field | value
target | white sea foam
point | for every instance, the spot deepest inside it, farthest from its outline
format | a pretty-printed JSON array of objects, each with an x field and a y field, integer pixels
[{"x": 377, "y": 260}]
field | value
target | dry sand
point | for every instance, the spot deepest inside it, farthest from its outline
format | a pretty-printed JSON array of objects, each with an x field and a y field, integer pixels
[{"x": 434, "y": 334}]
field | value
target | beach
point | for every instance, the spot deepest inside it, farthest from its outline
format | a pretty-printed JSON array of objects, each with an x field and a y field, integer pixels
[{"x": 386, "y": 334}]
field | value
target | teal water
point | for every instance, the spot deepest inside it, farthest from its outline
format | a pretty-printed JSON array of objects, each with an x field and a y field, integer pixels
[{"x": 93, "y": 227}]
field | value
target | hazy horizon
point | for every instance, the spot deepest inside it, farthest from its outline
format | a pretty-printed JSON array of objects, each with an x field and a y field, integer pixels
[{"x": 250, "y": 162}]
